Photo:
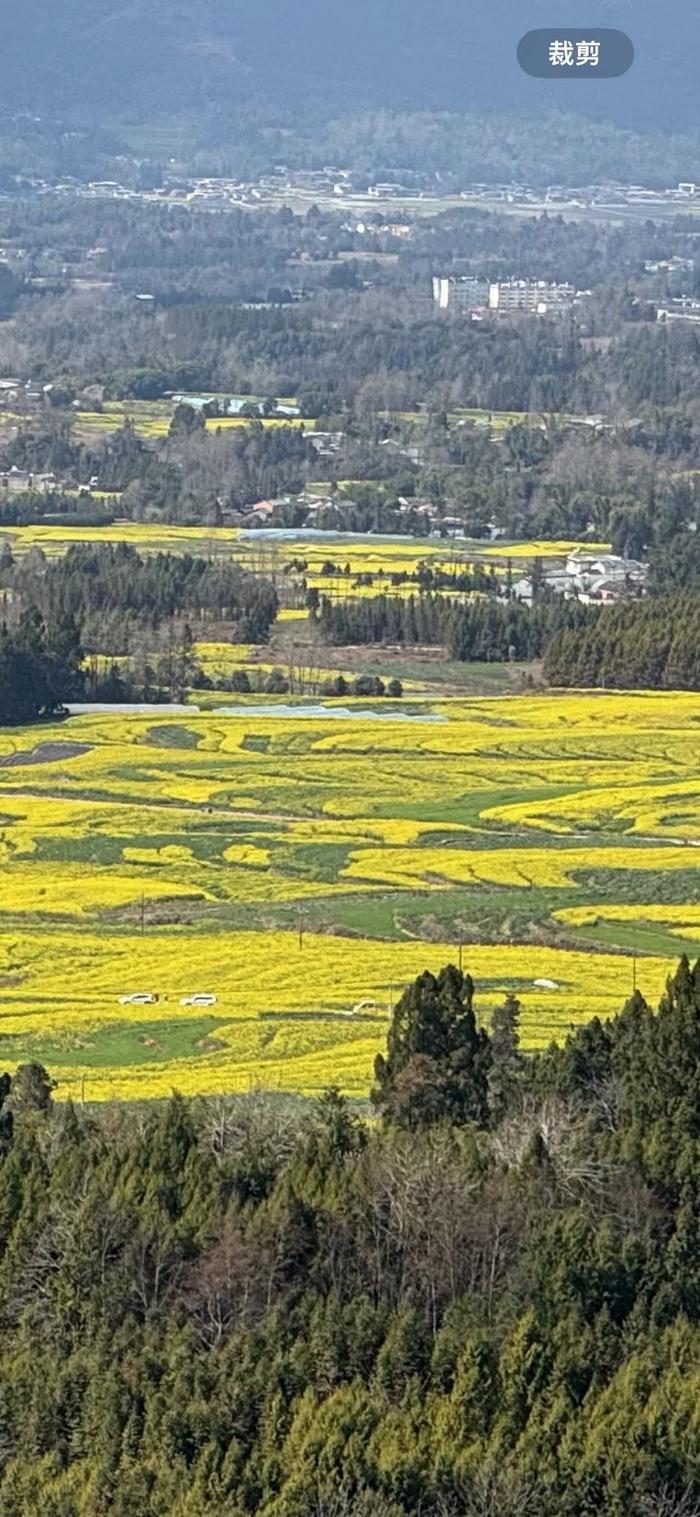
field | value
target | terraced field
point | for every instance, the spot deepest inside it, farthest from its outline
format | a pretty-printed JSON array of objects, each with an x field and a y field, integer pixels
[{"x": 302, "y": 869}]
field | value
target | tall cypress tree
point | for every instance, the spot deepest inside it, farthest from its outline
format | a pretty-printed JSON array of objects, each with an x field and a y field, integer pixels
[{"x": 437, "y": 1062}]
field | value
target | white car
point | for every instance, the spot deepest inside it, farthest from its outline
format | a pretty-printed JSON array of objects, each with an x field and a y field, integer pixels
[
  {"x": 201, "y": 999},
  {"x": 139, "y": 998}
]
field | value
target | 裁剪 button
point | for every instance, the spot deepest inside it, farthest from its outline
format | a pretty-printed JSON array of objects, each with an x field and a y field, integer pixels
[{"x": 575, "y": 53}]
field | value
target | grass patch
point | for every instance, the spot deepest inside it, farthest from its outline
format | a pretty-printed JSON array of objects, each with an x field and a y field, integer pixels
[
  {"x": 128, "y": 1045},
  {"x": 170, "y": 735}
]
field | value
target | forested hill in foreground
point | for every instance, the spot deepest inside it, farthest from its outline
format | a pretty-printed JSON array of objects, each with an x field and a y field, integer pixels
[{"x": 487, "y": 1304}]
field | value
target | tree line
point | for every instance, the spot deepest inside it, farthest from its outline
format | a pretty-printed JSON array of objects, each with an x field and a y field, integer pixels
[
  {"x": 114, "y": 580},
  {"x": 109, "y": 601},
  {"x": 482, "y": 630},
  {"x": 34, "y": 508},
  {"x": 648, "y": 644},
  {"x": 651, "y": 644},
  {"x": 484, "y": 1301},
  {"x": 39, "y": 667}
]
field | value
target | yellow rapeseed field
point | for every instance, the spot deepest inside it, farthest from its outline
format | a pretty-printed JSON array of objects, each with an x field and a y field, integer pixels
[
  {"x": 378, "y": 556},
  {"x": 302, "y": 869}
]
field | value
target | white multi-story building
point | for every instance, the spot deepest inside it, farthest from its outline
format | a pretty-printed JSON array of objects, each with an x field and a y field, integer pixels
[
  {"x": 470, "y": 293},
  {"x": 533, "y": 295},
  {"x": 467, "y": 293}
]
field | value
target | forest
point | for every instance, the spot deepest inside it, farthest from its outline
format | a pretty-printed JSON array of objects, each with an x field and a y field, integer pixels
[
  {"x": 115, "y": 578},
  {"x": 484, "y": 1302},
  {"x": 480, "y": 630},
  {"x": 652, "y": 645},
  {"x": 213, "y": 88},
  {"x": 40, "y": 669},
  {"x": 109, "y": 601}
]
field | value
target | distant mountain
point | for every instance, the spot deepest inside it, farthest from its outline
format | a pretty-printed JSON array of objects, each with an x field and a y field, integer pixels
[
  {"x": 224, "y": 86},
  {"x": 123, "y": 56},
  {"x": 80, "y": 58}
]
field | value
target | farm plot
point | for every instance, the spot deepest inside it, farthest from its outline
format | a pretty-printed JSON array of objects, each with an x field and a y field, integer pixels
[
  {"x": 294, "y": 872},
  {"x": 350, "y": 555}
]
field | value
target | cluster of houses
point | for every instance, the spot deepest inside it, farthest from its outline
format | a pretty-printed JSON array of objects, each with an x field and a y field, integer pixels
[
  {"x": 260, "y": 513},
  {"x": 326, "y": 444},
  {"x": 590, "y": 577},
  {"x": 378, "y": 228},
  {"x": 236, "y": 405},
  {"x": 18, "y": 481},
  {"x": 669, "y": 266},
  {"x": 680, "y": 308},
  {"x": 315, "y": 505},
  {"x": 23, "y": 394}
]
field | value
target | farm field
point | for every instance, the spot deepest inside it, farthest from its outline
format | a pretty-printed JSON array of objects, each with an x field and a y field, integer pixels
[
  {"x": 222, "y": 660},
  {"x": 291, "y": 652},
  {"x": 303, "y": 867},
  {"x": 150, "y": 419},
  {"x": 266, "y": 550},
  {"x": 91, "y": 423},
  {"x": 336, "y": 565},
  {"x": 498, "y": 422}
]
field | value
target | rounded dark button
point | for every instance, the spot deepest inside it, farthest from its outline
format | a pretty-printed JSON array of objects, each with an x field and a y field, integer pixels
[{"x": 566, "y": 52}]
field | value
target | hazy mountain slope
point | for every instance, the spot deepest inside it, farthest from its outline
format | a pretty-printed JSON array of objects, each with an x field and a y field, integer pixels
[{"x": 164, "y": 55}]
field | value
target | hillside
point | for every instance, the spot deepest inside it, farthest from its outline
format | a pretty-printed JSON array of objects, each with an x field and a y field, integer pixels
[{"x": 140, "y": 57}]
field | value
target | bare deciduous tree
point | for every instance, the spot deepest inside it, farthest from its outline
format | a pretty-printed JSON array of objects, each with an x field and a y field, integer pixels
[
  {"x": 251, "y": 1122},
  {"x": 566, "y": 1138},
  {"x": 669, "y": 1503},
  {"x": 345, "y": 1503},
  {"x": 494, "y": 1493}
]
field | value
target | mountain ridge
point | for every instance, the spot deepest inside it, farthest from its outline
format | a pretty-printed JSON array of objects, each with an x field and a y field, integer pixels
[{"x": 157, "y": 56}]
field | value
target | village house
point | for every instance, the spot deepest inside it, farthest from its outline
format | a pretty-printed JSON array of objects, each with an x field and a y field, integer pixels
[
  {"x": 264, "y": 508},
  {"x": 590, "y": 578},
  {"x": 16, "y": 480},
  {"x": 597, "y": 576},
  {"x": 326, "y": 444}
]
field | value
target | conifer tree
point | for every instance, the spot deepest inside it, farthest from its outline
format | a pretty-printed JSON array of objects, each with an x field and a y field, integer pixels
[{"x": 437, "y": 1063}]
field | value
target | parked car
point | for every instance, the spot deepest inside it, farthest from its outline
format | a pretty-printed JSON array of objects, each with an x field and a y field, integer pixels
[
  {"x": 138, "y": 998},
  {"x": 202, "y": 998}
]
